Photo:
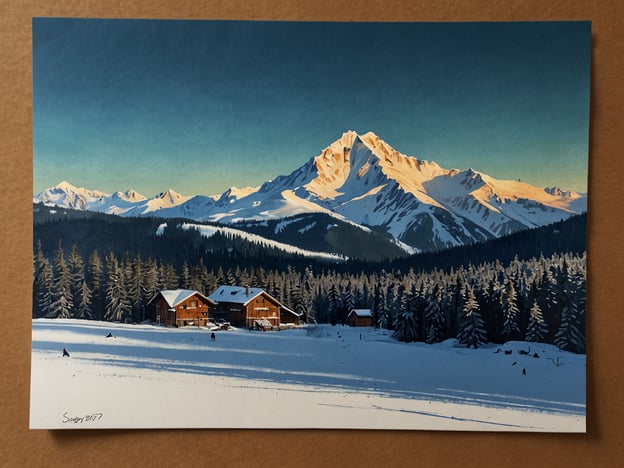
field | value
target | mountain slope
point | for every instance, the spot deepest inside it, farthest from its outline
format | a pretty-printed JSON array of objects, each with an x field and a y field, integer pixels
[{"x": 360, "y": 179}]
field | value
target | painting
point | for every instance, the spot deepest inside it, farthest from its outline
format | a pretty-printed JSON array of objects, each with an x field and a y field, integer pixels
[{"x": 257, "y": 224}]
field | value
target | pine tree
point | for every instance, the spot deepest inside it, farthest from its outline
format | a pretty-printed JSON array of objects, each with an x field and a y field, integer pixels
[
  {"x": 537, "y": 328},
  {"x": 510, "y": 312},
  {"x": 62, "y": 302},
  {"x": 334, "y": 304},
  {"x": 117, "y": 306},
  {"x": 168, "y": 277},
  {"x": 259, "y": 279},
  {"x": 150, "y": 279},
  {"x": 98, "y": 293},
  {"x": 405, "y": 326},
  {"x": 472, "y": 331},
  {"x": 383, "y": 312},
  {"x": 348, "y": 304},
  {"x": 569, "y": 336},
  {"x": 307, "y": 293},
  {"x": 135, "y": 289},
  {"x": 186, "y": 276},
  {"x": 43, "y": 286},
  {"x": 220, "y": 277},
  {"x": 84, "y": 309},
  {"x": 75, "y": 264},
  {"x": 230, "y": 279},
  {"x": 434, "y": 317}
]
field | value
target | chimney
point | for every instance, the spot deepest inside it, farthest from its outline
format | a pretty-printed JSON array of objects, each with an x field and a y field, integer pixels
[{"x": 247, "y": 290}]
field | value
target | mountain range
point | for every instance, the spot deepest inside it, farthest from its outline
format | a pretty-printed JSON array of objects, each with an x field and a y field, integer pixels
[{"x": 360, "y": 180}]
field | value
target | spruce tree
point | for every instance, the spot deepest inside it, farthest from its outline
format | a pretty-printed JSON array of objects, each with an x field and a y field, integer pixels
[
  {"x": 510, "y": 312},
  {"x": 537, "y": 328},
  {"x": 84, "y": 309},
  {"x": 135, "y": 289},
  {"x": 62, "y": 302},
  {"x": 98, "y": 292},
  {"x": 348, "y": 303},
  {"x": 150, "y": 279},
  {"x": 569, "y": 336},
  {"x": 43, "y": 288},
  {"x": 75, "y": 264},
  {"x": 186, "y": 276},
  {"x": 405, "y": 325},
  {"x": 230, "y": 280},
  {"x": 168, "y": 277},
  {"x": 434, "y": 317},
  {"x": 117, "y": 306},
  {"x": 472, "y": 332},
  {"x": 334, "y": 304}
]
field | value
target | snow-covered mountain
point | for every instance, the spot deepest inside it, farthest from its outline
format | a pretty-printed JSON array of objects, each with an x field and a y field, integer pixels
[
  {"x": 362, "y": 180},
  {"x": 129, "y": 203}
]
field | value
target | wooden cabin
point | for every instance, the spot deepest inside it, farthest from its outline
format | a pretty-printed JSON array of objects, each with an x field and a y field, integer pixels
[
  {"x": 360, "y": 318},
  {"x": 248, "y": 307},
  {"x": 180, "y": 308}
]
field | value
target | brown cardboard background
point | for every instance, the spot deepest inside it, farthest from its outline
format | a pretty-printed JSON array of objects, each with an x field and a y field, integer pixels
[{"x": 602, "y": 446}]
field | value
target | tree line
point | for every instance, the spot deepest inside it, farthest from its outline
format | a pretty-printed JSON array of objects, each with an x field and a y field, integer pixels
[{"x": 540, "y": 300}]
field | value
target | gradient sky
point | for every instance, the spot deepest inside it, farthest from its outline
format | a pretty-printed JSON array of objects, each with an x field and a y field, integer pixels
[{"x": 199, "y": 106}]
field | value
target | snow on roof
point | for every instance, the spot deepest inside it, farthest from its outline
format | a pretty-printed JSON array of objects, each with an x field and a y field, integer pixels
[
  {"x": 287, "y": 309},
  {"x": 362, "y": 312},
  {"x": 235, "y": 294},
  {"x": 243, "y": 295},
  {"x": 176, "y": 296}
]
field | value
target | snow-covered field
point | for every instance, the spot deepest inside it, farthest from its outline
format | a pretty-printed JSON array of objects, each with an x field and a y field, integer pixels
[{"x": 330, "y": 377}]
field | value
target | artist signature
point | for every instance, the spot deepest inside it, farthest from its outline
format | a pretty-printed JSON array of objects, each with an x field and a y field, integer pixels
[{"x": 67, "y": 419}]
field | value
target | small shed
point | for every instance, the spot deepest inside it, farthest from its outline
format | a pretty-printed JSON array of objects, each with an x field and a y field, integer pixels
[
  {"x": 360, "y": 318},
  {"x": 288, "y": 315}
]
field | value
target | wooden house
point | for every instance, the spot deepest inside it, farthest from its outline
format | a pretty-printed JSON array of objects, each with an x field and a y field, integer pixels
[
  {"x": 249, "y": 307},
  {"x": 360, "y": 318},
  {"x": 180, "y": 308}
]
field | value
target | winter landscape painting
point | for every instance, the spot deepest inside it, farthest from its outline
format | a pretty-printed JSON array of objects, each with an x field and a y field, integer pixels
[{"x": 245, "y": 224}]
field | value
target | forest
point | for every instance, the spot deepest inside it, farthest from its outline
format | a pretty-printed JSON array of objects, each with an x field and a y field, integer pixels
[{"x": 541, "y": 299}]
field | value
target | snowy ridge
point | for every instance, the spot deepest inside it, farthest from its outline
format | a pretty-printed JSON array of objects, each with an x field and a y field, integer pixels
[
  {"x": 362, "y": 180},
  {"x": 209, "y": 231}
]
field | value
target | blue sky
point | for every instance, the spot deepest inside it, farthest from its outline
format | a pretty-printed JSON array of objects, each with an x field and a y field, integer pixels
[{"x": 199, "y": 106}]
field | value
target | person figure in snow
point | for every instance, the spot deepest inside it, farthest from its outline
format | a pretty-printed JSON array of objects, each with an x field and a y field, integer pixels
[
  {"x": 65, "y": 353},
  {"x": 213, "y": 337}
]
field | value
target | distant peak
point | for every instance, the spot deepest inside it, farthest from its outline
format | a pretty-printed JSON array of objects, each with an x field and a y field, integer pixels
[
  {"x": 169, "y": 193},
  {"x": 557, "y": 192},
  {"x": 64, "y": 185},
  {"x": 235, "y": 193},
  {"x": 130, "y": 195}
]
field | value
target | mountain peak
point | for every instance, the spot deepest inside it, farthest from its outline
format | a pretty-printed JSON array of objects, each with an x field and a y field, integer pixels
[
  {"x": 234, "y": 193},
  {"x": 169, "y": 193},
  {"x": 129, "y": 195},
  {"x": 64, "y": 185},
  {"x": 361, "y": 179}
]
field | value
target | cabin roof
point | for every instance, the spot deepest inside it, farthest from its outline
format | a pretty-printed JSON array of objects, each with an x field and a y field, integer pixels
[
  {"x": 235, "y": 294},
  {"x": 361, "y": 312},
  {"x": 174, "y": 297},
  {"x": 243, "y": 295}
]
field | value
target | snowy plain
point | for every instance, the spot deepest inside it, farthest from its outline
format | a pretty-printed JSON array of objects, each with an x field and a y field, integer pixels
[{"x": 146, "y": 376}]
